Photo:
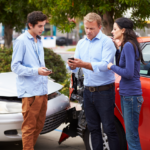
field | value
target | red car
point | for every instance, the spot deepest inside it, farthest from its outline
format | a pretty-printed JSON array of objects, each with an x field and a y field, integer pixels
[
  {"x": 144, "y": 123},
  {"x": 78, "y": 125}
]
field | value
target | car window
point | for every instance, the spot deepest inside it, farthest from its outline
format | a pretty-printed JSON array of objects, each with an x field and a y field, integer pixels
[{"x": 145, "y": 69}]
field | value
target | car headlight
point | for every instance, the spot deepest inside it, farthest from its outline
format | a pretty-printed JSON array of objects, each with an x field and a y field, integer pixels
[{"x": 10, "y": 107}]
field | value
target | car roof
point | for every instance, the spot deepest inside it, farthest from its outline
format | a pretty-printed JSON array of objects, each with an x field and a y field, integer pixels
[{"x": 143, "y": 39}]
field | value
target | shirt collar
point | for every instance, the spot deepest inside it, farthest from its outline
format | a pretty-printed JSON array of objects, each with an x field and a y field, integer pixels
[
  {"x": 30, "y": 36},
  {"x": 98, "y": 36}
]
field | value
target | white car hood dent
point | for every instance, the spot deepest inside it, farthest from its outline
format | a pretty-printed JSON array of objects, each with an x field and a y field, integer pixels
[{"x": 8, "y": 85}]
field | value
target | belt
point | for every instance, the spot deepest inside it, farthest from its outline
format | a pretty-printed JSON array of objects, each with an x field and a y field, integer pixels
[{"x": 100, "y": 88}]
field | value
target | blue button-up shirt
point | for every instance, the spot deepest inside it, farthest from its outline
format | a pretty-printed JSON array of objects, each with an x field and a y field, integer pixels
[
  {"x": 25, "y": 63},
  {"x": 99, "y": 52}
]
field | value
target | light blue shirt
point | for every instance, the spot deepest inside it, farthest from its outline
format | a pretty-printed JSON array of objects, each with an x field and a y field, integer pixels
[
  {"x": 37, "y": 53},
  {"x": 25, "y": 63},
  {"x": 99, "y": 52}
]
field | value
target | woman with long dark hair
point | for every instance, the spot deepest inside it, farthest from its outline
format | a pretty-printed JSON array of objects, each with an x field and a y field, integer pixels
[{"x": 130, "y": 86}]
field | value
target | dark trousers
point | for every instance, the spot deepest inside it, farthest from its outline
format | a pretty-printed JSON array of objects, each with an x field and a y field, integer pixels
[{"x": 99, "y": 108}]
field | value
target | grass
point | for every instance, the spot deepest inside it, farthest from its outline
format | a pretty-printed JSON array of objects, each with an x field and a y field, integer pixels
[{"x": 71, "y": 49}]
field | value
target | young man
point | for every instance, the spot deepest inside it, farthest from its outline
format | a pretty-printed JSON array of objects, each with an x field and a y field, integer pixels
[
  {"x": 28, "y": 63},
  {"x": 93, "y": 54}
]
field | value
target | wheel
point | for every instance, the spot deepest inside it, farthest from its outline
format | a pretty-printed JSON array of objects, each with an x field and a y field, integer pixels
[
  {"x": 88, "y": 142},
  {"x": 121, "y": 136}
]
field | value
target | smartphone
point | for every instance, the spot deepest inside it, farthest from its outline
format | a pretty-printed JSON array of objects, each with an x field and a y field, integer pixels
[
  {"x": 50, "y": 70},
  {"x": 71, "y": 58}
]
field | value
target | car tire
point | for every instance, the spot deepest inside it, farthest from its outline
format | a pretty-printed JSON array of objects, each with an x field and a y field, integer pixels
[{"x": 121, "y": 136}]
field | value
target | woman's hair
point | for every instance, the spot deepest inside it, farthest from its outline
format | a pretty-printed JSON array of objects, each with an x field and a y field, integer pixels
[{"x": 129, "y": 35}]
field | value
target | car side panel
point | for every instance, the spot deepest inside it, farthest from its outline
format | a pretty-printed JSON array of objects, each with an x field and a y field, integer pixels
[
  {"x": 144, "y": 120},
  {"x": 117, "y": 111}
]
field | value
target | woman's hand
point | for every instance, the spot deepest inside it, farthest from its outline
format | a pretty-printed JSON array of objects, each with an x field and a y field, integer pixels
[{"x": 109, "y": 65}]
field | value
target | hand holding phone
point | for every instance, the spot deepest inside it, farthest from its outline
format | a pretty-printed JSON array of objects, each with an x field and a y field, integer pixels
[
  {"x": 50, "y": 70},
  {"x": 44, "y": 71},
  {"x": 71, "y": 59}
]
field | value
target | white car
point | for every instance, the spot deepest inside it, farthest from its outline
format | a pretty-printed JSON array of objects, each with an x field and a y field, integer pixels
[{"x": 10, "y": 108}]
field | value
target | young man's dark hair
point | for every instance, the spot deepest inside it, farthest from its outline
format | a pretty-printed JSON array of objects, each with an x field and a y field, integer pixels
[{"x": 34, "y": 17}]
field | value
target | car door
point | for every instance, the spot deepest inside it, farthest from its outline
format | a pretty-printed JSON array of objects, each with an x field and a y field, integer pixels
[{"x": 144, "y": 120}]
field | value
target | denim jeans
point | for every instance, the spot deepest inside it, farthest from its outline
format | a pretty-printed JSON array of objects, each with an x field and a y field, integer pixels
[
  {"x": 131, "y": 106},
  {"x": 99, "y": 107}
]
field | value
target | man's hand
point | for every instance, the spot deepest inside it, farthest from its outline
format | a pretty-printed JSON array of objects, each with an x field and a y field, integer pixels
[
  {"x": 79, "y": 63},
  {"x": 43, "y": 72},
  {"x": 76, "y": 63},
  {"x": 70, "y": 64}
]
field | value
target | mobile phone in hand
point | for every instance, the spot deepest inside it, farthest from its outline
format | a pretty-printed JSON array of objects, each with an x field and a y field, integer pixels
[
  {"x": 50, "y": 70},
  {"x": 71, "y": 59}
]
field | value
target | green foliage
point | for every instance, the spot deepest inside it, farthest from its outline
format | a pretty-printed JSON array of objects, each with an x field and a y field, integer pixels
[
  {"x": 48, "y": 33},
  {"x": 60, "y": 10},
  {"x": 52, "y": 60},
  {"x": 5, "y": 59},
  {"x": 71, "y": 49},
  {"x": 14, "y": 12},
  {"x": 66, "y": 84}
]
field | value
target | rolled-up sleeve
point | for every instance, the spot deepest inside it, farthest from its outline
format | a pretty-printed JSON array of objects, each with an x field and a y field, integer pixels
[
  {"x": 108, "y": 54},
  {"x": 17, "y": 58}
]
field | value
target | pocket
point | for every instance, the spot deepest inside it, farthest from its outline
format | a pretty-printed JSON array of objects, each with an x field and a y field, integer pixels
[
  {"x": 31, "y": 100},
  {"x": 27, "y": 103},
  {"x": 128, "y": 98},
  {"x": 128, "y": 101},
  {"x": 139, "y": 103}
]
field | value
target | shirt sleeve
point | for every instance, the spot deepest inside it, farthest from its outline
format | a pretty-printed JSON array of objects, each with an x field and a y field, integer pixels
[
  {"x": 17, "y": 61},
  {"x": 76, "y": 55},
  {"x": 108, "y": 54},
  {"x": 128, "y": 71}
]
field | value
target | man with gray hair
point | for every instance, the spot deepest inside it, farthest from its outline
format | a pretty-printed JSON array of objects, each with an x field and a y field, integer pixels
[{"x": 93, "y": 54}]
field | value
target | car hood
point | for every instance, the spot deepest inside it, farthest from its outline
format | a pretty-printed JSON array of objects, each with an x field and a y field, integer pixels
[{"x": 8, "y": 85}]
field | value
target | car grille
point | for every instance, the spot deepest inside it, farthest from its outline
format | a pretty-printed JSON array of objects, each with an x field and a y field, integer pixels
[{"x": 54, "y": 121}]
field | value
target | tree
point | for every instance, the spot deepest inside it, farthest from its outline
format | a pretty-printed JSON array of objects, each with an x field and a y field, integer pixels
[
  {"x": 13, "y": 13},
  {"x": 60, "y": 10}
]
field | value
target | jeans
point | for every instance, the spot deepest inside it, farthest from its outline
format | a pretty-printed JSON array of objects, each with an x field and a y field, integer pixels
[
  {"x": 131, "y": 106},
  {"x": 99, "y": 108}
]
